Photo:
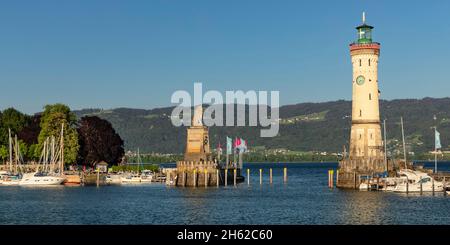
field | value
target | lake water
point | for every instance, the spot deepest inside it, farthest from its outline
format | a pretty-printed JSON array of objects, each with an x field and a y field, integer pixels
[{"x": 305, "y": 199}]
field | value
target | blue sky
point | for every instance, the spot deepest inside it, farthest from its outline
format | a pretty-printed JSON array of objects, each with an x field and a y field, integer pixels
[{"x": 107, "y": 54}]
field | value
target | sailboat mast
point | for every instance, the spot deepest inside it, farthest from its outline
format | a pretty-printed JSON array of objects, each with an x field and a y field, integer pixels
[
  {"x": 44, "y": 162},
  {"x": 10, "y": 150},
  {"x": 52, "y": 155},
  {"x": 403, "y": 139},
  {"x": 139, "y": 162},
  {"x": 385, "y": 145},
  {"x": 61, "y": 167},
  {"x": 17, "y": 154},
  {"x": 435, "y": 151}
]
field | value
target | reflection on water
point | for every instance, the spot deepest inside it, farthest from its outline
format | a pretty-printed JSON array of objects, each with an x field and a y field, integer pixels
[
  {"x": 362, "y": 207},
  {"x": 305, "y": 199}
]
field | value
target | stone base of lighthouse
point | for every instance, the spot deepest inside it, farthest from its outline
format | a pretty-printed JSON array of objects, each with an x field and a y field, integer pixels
[
  {"x": 204, "y": 173},
  {"x": 351, "y": 169}
]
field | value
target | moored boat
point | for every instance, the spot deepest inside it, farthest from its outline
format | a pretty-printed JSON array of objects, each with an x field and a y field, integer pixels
[
  {"x": 417, "y": 181},
  {"x": 113, "y": 179},
  {"x": 9, "y": 179},
  {"x": 41, "y": 179},
  {"x": 72, "y": 180},
  {"x": 132, "y": 178}
]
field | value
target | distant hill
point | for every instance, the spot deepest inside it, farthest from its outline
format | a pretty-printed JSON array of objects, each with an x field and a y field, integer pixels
[{"x": 303, "y": 127}]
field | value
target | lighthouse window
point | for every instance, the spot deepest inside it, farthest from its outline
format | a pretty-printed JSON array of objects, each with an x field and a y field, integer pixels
[
  {"x": 360, "y": 113},
  {"x": 360, "y": 62},
  {"x": 369, "y": 62},
  {"x": 370, "y": 96},
  {"x": 360, "y": 136}
]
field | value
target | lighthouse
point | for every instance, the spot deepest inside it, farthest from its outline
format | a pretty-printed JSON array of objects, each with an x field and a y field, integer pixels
[{"x": 365, "y": 156}]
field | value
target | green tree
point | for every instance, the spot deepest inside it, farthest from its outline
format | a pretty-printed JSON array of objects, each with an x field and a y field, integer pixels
[
  {"x": 11, "y": 119},
  {"x": 51, "y": 120},
  {"x": 33, "y": 152},
  {"x": 4, "y": 153}
]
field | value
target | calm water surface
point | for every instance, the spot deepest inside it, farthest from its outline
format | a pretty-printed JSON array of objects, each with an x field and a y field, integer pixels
[{"x": 305, "y": 199}]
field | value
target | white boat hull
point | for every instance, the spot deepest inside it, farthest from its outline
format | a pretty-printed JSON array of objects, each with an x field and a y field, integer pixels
[
  {"x": 114, "y": 179},
  {"x": 11, "y": 183},
  {"x": 48, "y": 180},
  {"x": 438, "y": 186},
  {"x": 131, "y": 180}
]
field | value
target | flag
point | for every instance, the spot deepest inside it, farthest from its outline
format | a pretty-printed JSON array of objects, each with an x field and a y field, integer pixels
[
  {"x": 437, "y": 140},
  {"x": 237, "y": 142},
  {"x": 241, "y": 145},
  {"x": 229, "y": 145}
]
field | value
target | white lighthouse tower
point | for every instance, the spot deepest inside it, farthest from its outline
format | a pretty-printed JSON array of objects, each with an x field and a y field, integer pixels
[{"x": 366, "y": 154}]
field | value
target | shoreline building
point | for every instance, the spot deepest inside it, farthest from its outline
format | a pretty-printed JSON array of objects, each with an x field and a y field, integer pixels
[{"x": 366, "y": 155}]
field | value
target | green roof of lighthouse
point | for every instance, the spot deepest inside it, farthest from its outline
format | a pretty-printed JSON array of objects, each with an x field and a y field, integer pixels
[{"x": 364, "y": 32}]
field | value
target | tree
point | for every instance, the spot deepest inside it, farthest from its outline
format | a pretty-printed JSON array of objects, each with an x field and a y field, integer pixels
[
  {"x": 51, "y": 120},
  {"x": 11, "y": 119},
  {"x": 98, "y": 142},
  {"x": 30, "y": 132},
  {"x": 4, "y": 153}
]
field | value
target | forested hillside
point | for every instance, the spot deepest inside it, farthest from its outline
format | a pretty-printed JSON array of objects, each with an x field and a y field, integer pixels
[{"x": 303, "y": 127}]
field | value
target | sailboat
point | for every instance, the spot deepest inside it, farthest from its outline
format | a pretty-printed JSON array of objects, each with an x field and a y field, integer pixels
[
  {"x": 132, "y": 178},
  {"x": 417, "y": 181},
  {"x": 12, "y": 177},
  {"x": 410, "y": 179},
  {"x": 52, "y": 172},
  {"x": 141, "y": 177}
]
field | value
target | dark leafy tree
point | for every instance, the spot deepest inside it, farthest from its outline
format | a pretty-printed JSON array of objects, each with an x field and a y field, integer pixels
[
  {"x": 30, "y": 133},
  {"x": 11, "y": 119},
  {"x": 98, "y": 142}
]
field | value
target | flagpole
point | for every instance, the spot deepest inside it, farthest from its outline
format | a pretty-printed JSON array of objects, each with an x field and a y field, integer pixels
[
  {"x": 385, "y": 146},
  {"x": 435, "y": 146},
  {"x": 435, "y": 151},
  {"x": 229, "y": 149},
  {"x": 218, "y": 155},
  {"x": 234, "y": 152},
  {"x": 228, "y": 160}
]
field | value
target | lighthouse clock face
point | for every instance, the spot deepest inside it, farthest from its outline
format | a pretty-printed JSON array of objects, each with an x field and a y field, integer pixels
[{"x": 360, "y": 80}]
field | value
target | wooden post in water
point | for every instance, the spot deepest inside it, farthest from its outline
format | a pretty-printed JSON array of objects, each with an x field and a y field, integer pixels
[
  {"x": 445, "y": 187},
  {"x": 260, "y": 176},
  {"x": 98, "y": 176},
  {"x": 337, "y": 177},
  {"x": 354, "y": 179},
  {"x": 329, "y": 181},
  {"x": 368, "y": 183},
  {"x": 332, "y": 178},
  {"x": 248, "y": 176},
  {"x": 270, "y": 175},
  {"x": 407, "y": 185},
  {"x": 234, "y": 177},
  {"x": 226, "y": 177},
  {"x": 206, "y": 178},
  {"x": 432, "y": 184},
  {"x": 359, "y": 181},
  {"x": 184, "y": 178},
  {"x": 217, "y": 177},
  {"x": 195, "y": 177},
  {"x": 285, "y": 175},
  {"x": 421, "y": 188}
]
